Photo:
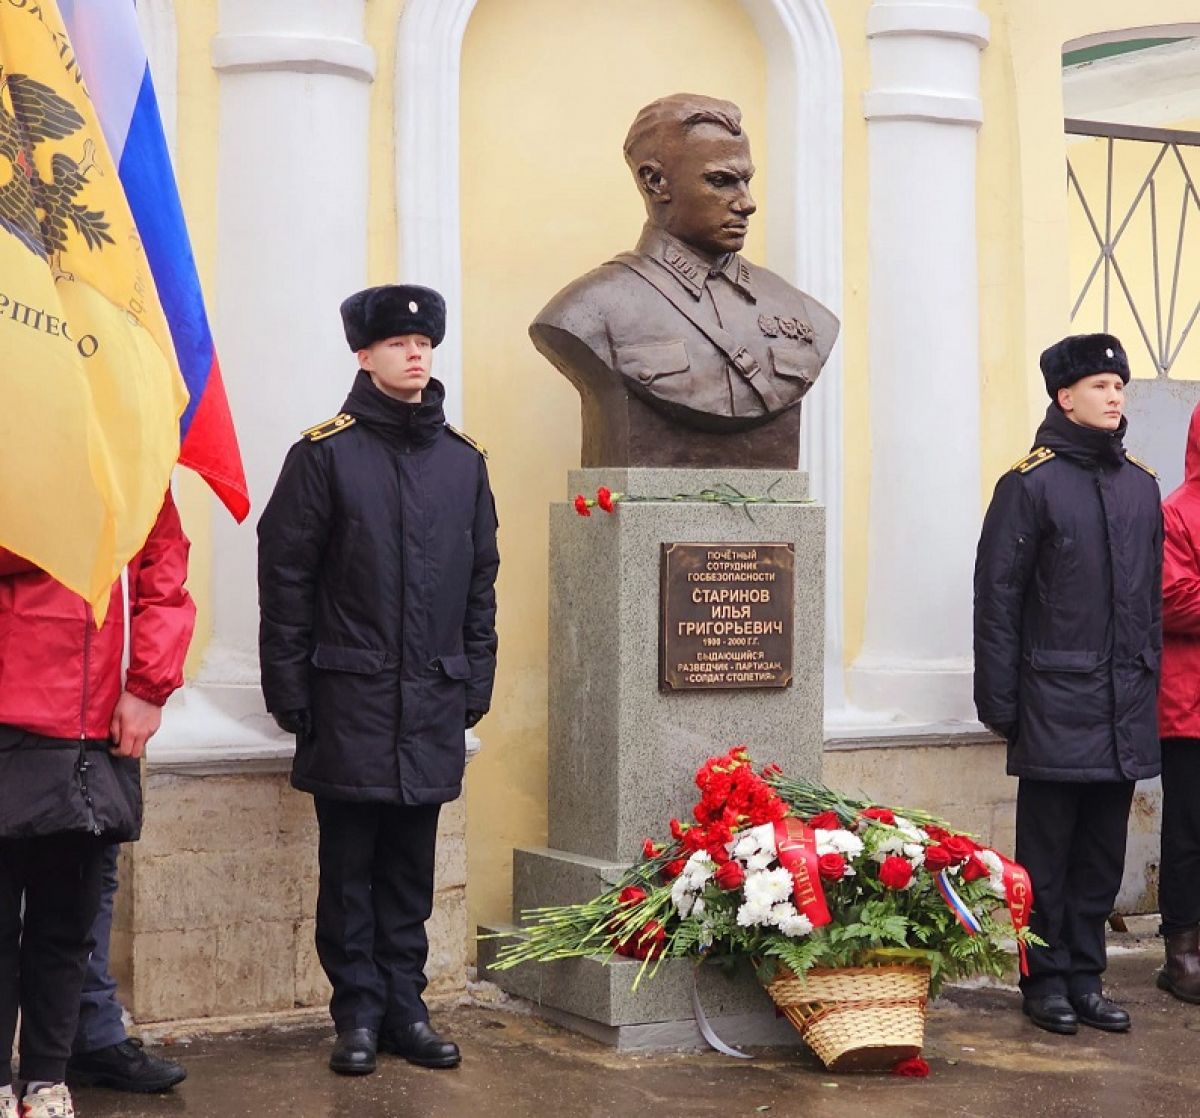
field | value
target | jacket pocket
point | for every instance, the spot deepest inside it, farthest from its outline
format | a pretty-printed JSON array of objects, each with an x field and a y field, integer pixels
[
  {"x": 648, "y": 363},
  {"x": 1083, "y": 661},
  {"x": 456, "y": 666},
  {"x": 359, "y": 661},
  {"x": 798, "y": 365}
]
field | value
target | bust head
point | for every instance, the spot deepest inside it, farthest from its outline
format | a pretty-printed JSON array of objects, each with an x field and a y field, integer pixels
[{"x": 691, "y": 160}]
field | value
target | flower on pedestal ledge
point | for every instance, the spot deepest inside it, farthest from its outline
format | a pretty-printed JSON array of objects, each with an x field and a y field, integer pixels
[{"x": 720, "y": 494}]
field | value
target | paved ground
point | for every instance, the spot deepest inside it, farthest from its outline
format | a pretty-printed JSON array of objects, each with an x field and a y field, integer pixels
[{"x": 986, "y": 1059}]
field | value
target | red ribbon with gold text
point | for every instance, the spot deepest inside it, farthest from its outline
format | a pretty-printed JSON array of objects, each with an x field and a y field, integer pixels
[
  {"x": 796, "y": 844},
  {"x": 1018, "y": 891}
]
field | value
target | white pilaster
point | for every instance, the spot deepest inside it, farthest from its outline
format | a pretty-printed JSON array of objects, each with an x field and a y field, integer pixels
[
  {"x": 923, "y": 113},
  {"x": 292, "y": 243}
]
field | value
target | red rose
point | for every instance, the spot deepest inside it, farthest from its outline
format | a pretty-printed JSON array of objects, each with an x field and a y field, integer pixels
[
  {"x": 604, "y": 498},
  {"x": 631, "y": 895},
  {"x": 938, "y": 834},
  {"x": 960, "y": 848},
  {"x": 880, "y": 815},
  {"x": 673, "y": 869},
  {"x": 730, "y": 876},
  {"x": 974, "y": 869},
  {"x": 912, "y": 1068},
  {"x": 826, "y": 821},
  {"x": 651, "y": 849},
  {"x": 583, "y": 505},
  {"x": 832, "y": 867},
  {"x": 938, "y": 858},
  {"x": 895, "y": 873}
]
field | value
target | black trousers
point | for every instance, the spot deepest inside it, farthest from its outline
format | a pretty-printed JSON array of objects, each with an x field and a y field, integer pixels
[
  {"x": 1071, "y": 839},
  {"x": 44, "y": 954},
  {"x": 1179, "y": 873},
  {"x": 376, "y": 892}
]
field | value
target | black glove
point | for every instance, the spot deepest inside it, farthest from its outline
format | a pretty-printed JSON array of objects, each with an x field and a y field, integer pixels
[
  {"x": 296, "y": 722},
  {"x": 474, "y": 716}
]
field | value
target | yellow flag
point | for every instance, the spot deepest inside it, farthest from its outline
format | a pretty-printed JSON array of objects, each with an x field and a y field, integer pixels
[{"x": 90, "y": 393}]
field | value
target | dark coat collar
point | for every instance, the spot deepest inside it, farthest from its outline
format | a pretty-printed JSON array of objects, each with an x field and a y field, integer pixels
[
  {"x": 412, "y": 424},
  {"x": 1085, "y": 445}
]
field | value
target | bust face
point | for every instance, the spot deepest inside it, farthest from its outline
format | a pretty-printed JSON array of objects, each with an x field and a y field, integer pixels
[{"x": 707, "y": 173}]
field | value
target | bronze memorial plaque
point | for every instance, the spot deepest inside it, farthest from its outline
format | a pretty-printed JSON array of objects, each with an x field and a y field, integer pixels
[{"x": 726, "y": 615}]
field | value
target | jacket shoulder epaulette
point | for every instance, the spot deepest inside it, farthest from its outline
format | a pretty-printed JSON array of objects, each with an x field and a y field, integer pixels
[
  {"x": 1141, "y": 465},
  {"x": 466, "y": 439},
  {"x": 1038, "y": 456},
  {"x": 339, "y": 422}
]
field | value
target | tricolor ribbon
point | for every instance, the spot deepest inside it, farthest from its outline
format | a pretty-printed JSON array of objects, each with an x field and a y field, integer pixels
[
  {"x": 796, "y": 846},
  {"x": 956, "y": 904}
]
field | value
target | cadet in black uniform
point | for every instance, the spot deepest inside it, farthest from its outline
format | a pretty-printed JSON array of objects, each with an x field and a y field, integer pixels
[
  {"x": 1068, "y": 633},
  {"x": 377, "y": 571}
]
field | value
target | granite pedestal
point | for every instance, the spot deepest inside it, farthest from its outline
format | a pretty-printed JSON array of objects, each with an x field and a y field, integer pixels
[{"x": 623, "y": 753}]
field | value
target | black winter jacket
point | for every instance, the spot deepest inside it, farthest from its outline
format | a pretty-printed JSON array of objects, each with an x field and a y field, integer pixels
[
  {"x": 377, "y": 570},
  {"x": 1068, "y": 609}
]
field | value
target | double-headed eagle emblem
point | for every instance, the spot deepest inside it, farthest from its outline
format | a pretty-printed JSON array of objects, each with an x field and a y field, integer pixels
[{"x": 36, "y": 211}]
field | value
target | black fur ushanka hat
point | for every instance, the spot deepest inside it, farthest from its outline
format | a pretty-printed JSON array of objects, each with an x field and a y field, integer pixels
[
  {"x": 1082, "y": 355},
  {"x": 389, "y": 311}
]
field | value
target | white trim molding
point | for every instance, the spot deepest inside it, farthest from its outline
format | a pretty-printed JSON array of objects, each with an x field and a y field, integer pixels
[
  {"x": 305, "y": 54},
  {"x": 804, "y": 225}
]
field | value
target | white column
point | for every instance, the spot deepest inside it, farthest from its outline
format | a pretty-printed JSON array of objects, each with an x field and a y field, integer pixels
[
  {"x": 292, "y": 243},
  {"x": 924, "y": 112}
]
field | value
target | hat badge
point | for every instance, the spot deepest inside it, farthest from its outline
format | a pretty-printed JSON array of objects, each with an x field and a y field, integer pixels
[
  {"x": 413, "y": 307},
  {"x": 1109, "y": 353}
]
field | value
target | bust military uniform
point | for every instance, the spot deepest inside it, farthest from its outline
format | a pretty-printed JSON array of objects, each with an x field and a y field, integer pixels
[{"x": 721, "y": 349}]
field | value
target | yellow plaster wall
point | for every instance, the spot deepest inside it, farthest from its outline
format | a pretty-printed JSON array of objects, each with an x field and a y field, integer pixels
[{"x": 548, "y": 91}]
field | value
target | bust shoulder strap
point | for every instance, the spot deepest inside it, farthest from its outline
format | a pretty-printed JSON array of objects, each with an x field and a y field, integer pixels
[
  {"x": 1038, "y": 456},
  {"x": 466, "y": 439},
  {"x": 340, "y": 422}
]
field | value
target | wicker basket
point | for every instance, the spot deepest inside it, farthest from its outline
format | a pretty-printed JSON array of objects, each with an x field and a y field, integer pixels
[{"x": 857, "y": 1018}]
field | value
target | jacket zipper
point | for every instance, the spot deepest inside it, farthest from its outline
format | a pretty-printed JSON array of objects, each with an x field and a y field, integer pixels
[{"x": 83, "y": 764}]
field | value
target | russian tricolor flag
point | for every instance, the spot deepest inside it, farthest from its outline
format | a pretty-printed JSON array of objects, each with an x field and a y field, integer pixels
[{"x": 108, "y": 44}]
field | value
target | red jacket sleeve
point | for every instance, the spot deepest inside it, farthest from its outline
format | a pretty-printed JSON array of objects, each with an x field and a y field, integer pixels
[
  {"x": 13, "y": 564},
  {"x": 1181, "y": 576},
  {"x": 162, "y": 614}
]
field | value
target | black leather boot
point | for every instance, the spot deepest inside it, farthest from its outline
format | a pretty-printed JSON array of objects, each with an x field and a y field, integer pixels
[
  {"x": 1100, "y": 1013},
  {"x": 354, "y": 1052},
  {"x": 1181, "y": 975},
  {"x": 420, "y": 1045},
  {"x": 1051, "y": 1012}
]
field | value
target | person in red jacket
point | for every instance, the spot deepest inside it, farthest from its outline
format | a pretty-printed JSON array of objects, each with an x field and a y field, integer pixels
[
  {"x": 71, "y": 733},
  {"x": 1179, "y": 727}
]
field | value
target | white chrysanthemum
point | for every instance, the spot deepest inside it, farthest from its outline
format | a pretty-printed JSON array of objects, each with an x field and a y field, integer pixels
[
  {"x": 681, "y": 896},
  {"x": 915, "y": 853},
  {"x": 756, "y": 840},
  {"x": 759, "y": 862},
  {"x": 893, "y": 844},
  {"x": 698, "y": 869},
  {"x": 754, "y": 912},
  {"x": 843, "y": 842},
  {"x": 698, "y": 907},
  {"x": 908, "y": 828},
  {"x": 995, "y": 868},
  {"x": 770, "y": 886},
  {"x": 744, "y": 847},
  {"x": 789, "y": 921}
]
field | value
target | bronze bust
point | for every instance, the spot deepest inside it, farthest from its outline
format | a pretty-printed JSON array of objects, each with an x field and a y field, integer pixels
[{"x": 684, "y": 353}]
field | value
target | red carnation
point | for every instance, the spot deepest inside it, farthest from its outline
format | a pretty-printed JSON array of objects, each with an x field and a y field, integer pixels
[
  {"x": 832, "y": 867},
  {"x": 974, "y": 869},
  {"x": 673, "y": 869},
  {"x": 960, "y": 847},
  {"x": 772, "y": 770},
  {"x": 880, "y": 815},
  {"x": 895, "y": 873},
  {"x": 730, "y": 876},
  {"x": 677, "y": 829},
  {"x": 651, "y": 849},
  {"x": 826, "y": 821},
  {"x": 604, "y": 498},
  {"x": 650, "y": 941},
  {"x": 632, "y": 894},
  {"x": 582, "y": 505},
  {"x": 938, "y": 858},
  {"x": 912, "y": 1068}
]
